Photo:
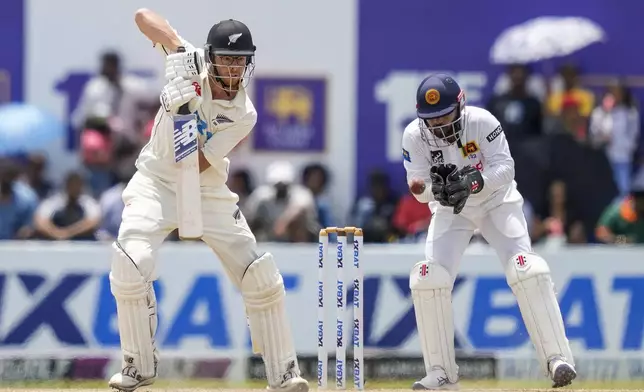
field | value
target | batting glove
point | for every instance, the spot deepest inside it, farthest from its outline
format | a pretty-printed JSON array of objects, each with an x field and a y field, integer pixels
[
  {"x": 178, "y": 92},
  {"x": 186, "y": 65}
]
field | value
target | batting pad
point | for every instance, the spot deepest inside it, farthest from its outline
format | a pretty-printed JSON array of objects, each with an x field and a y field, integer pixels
[
  {"x": 431, "y": 290},
  {"x": 263, "y": 290},
  {"x": 529, "y": 277},
  {"x": 137, "y": 314}
]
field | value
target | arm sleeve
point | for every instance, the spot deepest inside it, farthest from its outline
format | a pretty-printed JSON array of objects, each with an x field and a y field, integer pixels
[
  {"x": 494, "y": 147},
  {"x": 49, "y": 206},
  {"x": 222, "y": 142},
  {"x": 416, "y": 165}
]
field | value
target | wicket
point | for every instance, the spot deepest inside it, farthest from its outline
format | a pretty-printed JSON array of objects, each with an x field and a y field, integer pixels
[{"x": 357, "y": 339}]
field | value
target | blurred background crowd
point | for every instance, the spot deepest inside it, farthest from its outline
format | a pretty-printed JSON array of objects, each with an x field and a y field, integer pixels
[{"x": 579, "y": 155}]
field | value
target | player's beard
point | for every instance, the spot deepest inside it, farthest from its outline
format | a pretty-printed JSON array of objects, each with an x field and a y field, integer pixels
[{"x": 447, "y": 134}]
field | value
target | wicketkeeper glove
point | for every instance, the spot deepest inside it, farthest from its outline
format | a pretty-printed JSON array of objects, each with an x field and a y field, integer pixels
[
  {"x": 461, "y": 184},
  {"x": 438, "y": 185}
]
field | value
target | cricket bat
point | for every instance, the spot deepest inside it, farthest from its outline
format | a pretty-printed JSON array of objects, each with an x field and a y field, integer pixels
[{"x": 186, "y": 155}]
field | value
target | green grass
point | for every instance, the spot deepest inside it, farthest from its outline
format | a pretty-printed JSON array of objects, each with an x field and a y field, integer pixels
[{"x": 393, "y": 384}]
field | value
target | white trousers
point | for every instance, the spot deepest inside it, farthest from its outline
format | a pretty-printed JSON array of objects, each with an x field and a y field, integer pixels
[
  {"x": 150, "y": 215},
  {"x": 503, "y": 226}
]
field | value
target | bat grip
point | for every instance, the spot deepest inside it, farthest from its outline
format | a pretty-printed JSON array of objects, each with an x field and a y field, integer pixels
[{"x": 184, "y": 109}]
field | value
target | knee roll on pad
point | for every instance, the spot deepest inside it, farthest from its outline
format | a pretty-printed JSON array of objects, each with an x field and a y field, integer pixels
[
  {"x": 431, "y": 288},
  {"x": 137, "y": 313},
  {"x": 528, "y": 275},
  {"x": 135, "y": 261},
  {"x": 262, "y": 288}
]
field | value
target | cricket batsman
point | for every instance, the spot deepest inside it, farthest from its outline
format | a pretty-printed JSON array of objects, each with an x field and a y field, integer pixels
[
  {"x": 457, "y": 159},
  {"x": 211, "y": 81}
]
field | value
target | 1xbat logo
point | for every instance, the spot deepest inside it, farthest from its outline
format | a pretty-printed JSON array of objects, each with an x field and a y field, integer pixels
[
  {"x": 320, "y": 294},
  {"x": 339, "y": 333},
  {"x": 356, "y": 333},
  {"x": 320, "y": 333},
  {"x": 356, "y": 253},
  {"x": 339, "y": 372},
  {"x": 320, "y": 254}
]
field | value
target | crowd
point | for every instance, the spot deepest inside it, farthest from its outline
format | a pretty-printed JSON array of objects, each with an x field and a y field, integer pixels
[{"x": 578, "y": 160}]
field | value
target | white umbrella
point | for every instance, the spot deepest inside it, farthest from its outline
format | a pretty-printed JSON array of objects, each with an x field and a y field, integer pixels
[{"x": 543, "y": 38}]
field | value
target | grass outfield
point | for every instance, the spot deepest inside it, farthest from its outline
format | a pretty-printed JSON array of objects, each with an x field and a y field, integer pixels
[{"x": 397, "y": 385}]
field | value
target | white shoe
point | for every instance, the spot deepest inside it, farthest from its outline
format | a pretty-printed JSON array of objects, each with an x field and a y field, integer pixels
[
  {"x": 435, "y": 380},
  {"x": 561, "y": 372},
  {"x": 294, "y": 384},
  {"x": 129, "y": 379}
]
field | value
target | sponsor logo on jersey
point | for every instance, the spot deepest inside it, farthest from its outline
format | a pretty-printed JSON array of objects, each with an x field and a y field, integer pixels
[
  {"x": 494, "y": 134},
  {"x": 406, "y": 155},
  {"x": 437, "y": 157},
  {"x": 470, "y": 148},
  {"x": 221, "y": 119}
]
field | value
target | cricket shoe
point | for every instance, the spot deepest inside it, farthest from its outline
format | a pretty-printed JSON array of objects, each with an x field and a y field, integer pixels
[
  {"x": 293, "y": 384},
  {"x": 129, "y": 379},
  {"x": 561, "y": 372},
  {"x": 435, "y": 380}
]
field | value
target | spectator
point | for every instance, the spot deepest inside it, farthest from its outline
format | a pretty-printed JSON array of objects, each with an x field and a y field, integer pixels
[
  {"x": 374, "y": 212},
  {"x": 574, "y": 169},
  {"x": 623, "y": 222},
  {"x": 411, "y": 217},
  {"x": 282, "y": 210},
  {"x": 572, "y": 90},
  {"x": 535, "y": 84},
  {"x": 568, "y": 121},
  {"x": 316, "y": 178},
  {"x": 70, "y": 214},
  {"x": 97, "y": 157},
  {"x": 536, "y": 226},
  {"x": 111, "y": 205},
  {"x": 35, "y": 175},
  {"x": 518, "y": 111},
  {"x": 116, "y": 98},
  {"x": 614, "y": 126},
  {"x": 108, "y": 115},
  {"x": 242, "y": 185},
  {"x": 17, "y": 204}
]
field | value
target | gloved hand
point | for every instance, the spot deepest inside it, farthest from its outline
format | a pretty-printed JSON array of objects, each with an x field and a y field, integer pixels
[
  {"x": 183, "y": 64},
  {"x": 461, "y": 184},
  {"x": 178, "y": 92},
  {"x": 438, "y": 184}
]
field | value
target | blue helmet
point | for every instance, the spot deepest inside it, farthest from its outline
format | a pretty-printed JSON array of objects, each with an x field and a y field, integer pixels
[{"x": 440, "y": 107}]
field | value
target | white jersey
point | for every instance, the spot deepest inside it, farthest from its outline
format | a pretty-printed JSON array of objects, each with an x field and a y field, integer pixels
[
  {"x": 222, "y": 125},
  {"x": 482, "y": 145}
]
